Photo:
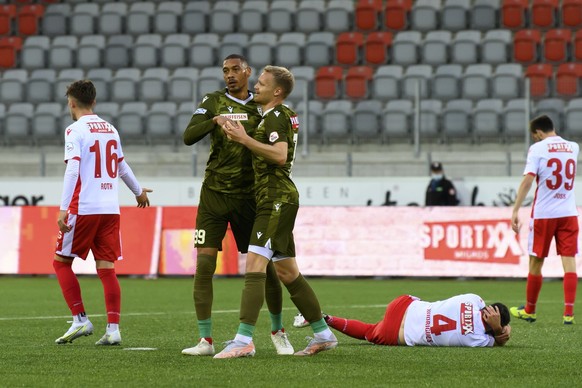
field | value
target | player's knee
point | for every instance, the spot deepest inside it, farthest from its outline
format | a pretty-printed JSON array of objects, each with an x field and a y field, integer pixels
[{"x": 205, "y": 265}]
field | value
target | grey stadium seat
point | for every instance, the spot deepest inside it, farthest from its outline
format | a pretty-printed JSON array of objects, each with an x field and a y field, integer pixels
[
  {"x": 173, "y": 51},
  {"x": 90, "y": 51},
  {"x": 159, "y": 122},
  {"x": 289, "y": 49},
  {"x": 233, "y": 44},
  {"x": 430, "y": 111},
  {"x": 506, "y": 82},
  {"x": 65, "y": 119},
  {"x": 139, "y": 18},
  {"x": 118, "y": 51},
  {"x": 424, "y": 15},
  {"x": 465, "y": 47},
  {"x": 209, "y": 80},
  {"x": 486, "y": 119},
  {"x": 405, "y": 47},
  {"x": 414, "y": 74},
  {"x": 195, "y": 17},
  {"x": 252, "y": 16},
  {"x": 435, "y": 47},
  {"x": 167, "y": 16},
  {"x": 455, "y": 15},
  {"x": 310, "y": 120},
  {"x": 152, "y": 84},
  {"x": 260, "y": 48},
  {"x": 2, "y": 116},
  {"x": 112, "y": 18},
  {"x": 304, "y": 76},
  {"x": 366, "y": 121},
  {"x": 445, "y": 84},
  {"x": 40, "y": 85},
  {"x": 64, "y": 79},
  {"x": 203, "y": 50},
  {"x": 309, "y": 16},
  {"x": 514, "y": 121},
  {"x": 573, "y": 117},
  {"x": 484, "y": 15},
  {"x": 456, "y": 119},
  {"x": 83, "y": 20},
  {"x": 183, "y": 116},
  {"x": 475, "y": 81},
  {"x": 17, "y": 123},
  {"x": 108, "y": 111},
  {"x": 338, "y": 16},
  {"x": 12, "y": 85},
  {"x": 130, "y": 122},
  {"x": 396, "y": 120},
  {"x": 146, "y": 51},
  {"x": 386, "y": 82},
  {"x": 46, "y": 124},
  {"x": 281, "y": 16},
  {"x": 335, "y": 121},
  {"x": 495, "y": 47},
  {"x": 224, "y": 16},
  {"x": 181, "y": 85},
  {"x": 319, "y": 49},
  {"x": 554, "y": 108},
  {"x": 33, "y": 53},
  {"x": 62, "y": 52},
  {"x": 124, "y": 85},
  {"x": 101, "y": 79},
  {"x": 55, "y": 19}
]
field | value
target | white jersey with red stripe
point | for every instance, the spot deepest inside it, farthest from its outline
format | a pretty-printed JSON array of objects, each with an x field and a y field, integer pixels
[
  {"x": 553, "y": 162},
  {"x": 96, "y": 144},
  {"x": 451, "y": 322}
]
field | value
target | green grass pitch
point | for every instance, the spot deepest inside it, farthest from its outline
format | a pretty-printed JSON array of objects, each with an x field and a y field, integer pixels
[{"x": 159, "y": 314}]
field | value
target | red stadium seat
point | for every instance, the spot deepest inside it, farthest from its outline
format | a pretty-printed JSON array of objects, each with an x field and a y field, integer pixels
[
  {"x": 577, "y": 49},
  {"x": 328, "y": 82},
  {"x": 557, "y": 45},
  {"x": 526, "y": 45},
  {"x": 514, "y": 13},
  {"x": 376, "y": 47},
  {"x": 367, "y": 14},
  {"x": 357, "y": 82},
  {"x": 572, "y": 13},
  {"x": 568, "y": 79},
  {"x": 540, "y": 76},
  {"x": 28, "y": 19},
  {"x": 544, "y": 13},
  {"x": 396, "y": 14},
  {"x": 348, "y": 48},
  {"x": 9, "y": 47},
  {"x": 7, "y": 15}
]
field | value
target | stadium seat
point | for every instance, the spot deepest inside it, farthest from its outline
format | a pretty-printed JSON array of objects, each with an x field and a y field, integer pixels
[
  {"x": 209, "y": 80},
  {"x": 445, "y": 82},
  {"x": 366, "y": 121},
  {"x": 495, "y": 47},
  {"x": 577, "y": 47},
  {"x": 112, "y": 19},
  {"x": 159, "y": 122},
  {"x": 139, "y": 18},
  {"x": 304, "y": 76},
  {"x": 367, "y": 14},
  {"x": 526, "y": 46},
  {"x": 167, "y": 16},
  {"x": 465, "y": 47},
  {"x": 416, "y": 74},
  {"x": 554, "y": 108},
  {"x": 181, "y": 85},
  {"x": 64, "y": 78},
  {"x": 430, "y": 111},
  {"x": 233, "y": 44},
  {"x": 357, "y": 82},
  {"x": 328, "y": 82},
  {"x": 289, "y": 49},
  {"x": 386, "y": 82},
  {"x": 540, "y": 78},
  {"x": 118, "y": 51},
  {"x": 309, "y": 16},
  {"x": 33, "y": 54},
  {"x": 424, "y": 15},
  {"x": 146, "y": 51},
  {"x": 12, "y": 85},
  {"x": 338, "y": 16},
  {"x": 56, "y": 19},
  {"x": 475, "y": 81},
  {"x": 45, "y": 123},
  {"x": 130, "y": 122},
  {"x": 377, "y": 47},
  {"x": 224, "y": 17},
  {"x": 348, "y": 48},
  {"x": 435, "y": 47},
  {"x": 173, "y": 51},
  {"x": 567, "y": 80},
  {"x": 83, "y": 19},
  {"x": 544, "y": 13},
  {"x": 62, "y": 52},
  {"x": 456, "y": 119},
  {"x": 124, "y": 85},
  {"x": 335, "y": 122},
  {"x": 17, "y": 123},
  {"x": 405, "y": 47},
  {"x": 194, "y": 20},
  {"x": 506, "y": 81},
  {"x": 396, "y": 118},
  {"x": 90, "y": 51},
  {"x": 571, "y": 13},
  {"x": 152, "y": 85},
  {"x": 573, "y": 117},
  {"x": 484, "y": 15},
  {"x": 252, "y": 16},
  {"x": 7, "y": 17},
  {"x": 486, "y": 119},
  {"x": 65, "y": 119},
  {"x": 260, "y": 48},
  {"x": 108, "y": 111},
  {"x": 2, "y": 115},
  {"x": 557, "y": 45},
  {"x": 514, "y": 120},
  {"x": 183, "y": 116},
  {"x": 203, "y": 50},
  {"x": 311, "y": 124},
  {"x": 28, "y": 18},
  {"x": 101, "y": 78},
  {"x": 455, "y": 14},
  {"x": 514, "y": 14},
  {"x": 281, "y": 16},
  {"x": 319, "y": 49},
  {"x": 9, "y": 48},
  {"x": 397, "y": 14}
]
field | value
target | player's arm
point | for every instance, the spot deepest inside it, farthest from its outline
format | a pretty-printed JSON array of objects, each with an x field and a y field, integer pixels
[
  {"x": 128, "y": 177},
  {"x": 502, "y": 338},
  {"x": 203, "y": 120},
  {"x": 524, "y": 188},
  {"x": 69, "y": 184},
  {"x": 275, "y": 153}
]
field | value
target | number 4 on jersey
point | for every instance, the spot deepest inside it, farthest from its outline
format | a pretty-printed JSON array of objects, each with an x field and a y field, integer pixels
[{"x": 447, "y": 324}]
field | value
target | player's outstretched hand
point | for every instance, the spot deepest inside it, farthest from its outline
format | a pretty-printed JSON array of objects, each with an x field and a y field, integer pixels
[{"x": 142, "y": 199}]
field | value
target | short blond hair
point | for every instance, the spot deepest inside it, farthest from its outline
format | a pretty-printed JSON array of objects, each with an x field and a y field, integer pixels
[{"x": 283, "y": 78}]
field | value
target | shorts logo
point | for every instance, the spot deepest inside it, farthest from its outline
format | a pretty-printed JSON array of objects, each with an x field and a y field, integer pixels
[
  {"x": 273, "y": 136},
  {"x": 277, "y": 206},
  {"x": 259, "y": 234},
  {"x": 200, "y": 111}
]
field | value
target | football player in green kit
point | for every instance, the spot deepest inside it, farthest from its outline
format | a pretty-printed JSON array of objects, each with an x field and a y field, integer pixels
[
  {"x": 227, "y": 196},
  {"x": 273, "y": 146}
]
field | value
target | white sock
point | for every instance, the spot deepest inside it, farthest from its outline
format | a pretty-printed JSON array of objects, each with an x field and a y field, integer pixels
[
  {"x": 325, "y": 335},
  {"x": 80, "y": 318},
  {"x": 243, "y": 338},
  {"x": 112, "y": 327}
]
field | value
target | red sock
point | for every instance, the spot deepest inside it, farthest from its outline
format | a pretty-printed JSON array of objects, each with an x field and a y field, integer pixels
[
  {"x": 112, "y": 293},
  {"x": 353, "y": 328},
  {"x": 570, "y": 284},
  {"x": 69, "y": 286},
  {"x": 532, "y": 290}
]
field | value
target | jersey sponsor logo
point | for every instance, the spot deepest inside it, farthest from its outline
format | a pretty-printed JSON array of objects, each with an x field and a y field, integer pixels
[
  {"x": 200, "y": 111},
  {"x": 560, "y": 147},
  {"x": 467, "y": 326},
  {"x": 99, "y": 127},
  {"x": 273, "y": 136},
  {"x": 294, "y": 122},
  {"x": 236, "y": 116},
  {"x": 491, "y": 241},
  {"x": 69, "y": 147}
]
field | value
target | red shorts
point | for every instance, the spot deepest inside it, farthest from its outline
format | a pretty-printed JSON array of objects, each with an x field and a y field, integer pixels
[
  {"x": 97, "y": 232},
  {"x": 564, "y": 230},
  {"x": 386, "y": 331}
]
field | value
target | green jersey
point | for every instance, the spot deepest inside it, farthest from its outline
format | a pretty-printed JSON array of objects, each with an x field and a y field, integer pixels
[
  {"x": 229, "y": 168},
  {"x": 273, "y": 182}
]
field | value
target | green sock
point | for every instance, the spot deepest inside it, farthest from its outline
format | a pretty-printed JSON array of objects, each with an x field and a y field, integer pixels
[
  {"x": 205, "y": 328},
  {"x": 318, "y": 326},
  {"x": 245, "y": 329},
  {"x": 276, "y": 321}
]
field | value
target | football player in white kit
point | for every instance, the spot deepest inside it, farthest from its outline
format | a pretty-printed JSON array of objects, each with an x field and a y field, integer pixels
[
  {"x": 463, "y": 320},
  {"x": 552, "y": 162},
  {"x": 89, "y": 211}
]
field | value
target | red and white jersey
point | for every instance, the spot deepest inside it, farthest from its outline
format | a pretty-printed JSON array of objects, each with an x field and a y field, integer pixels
[
  {"x": 96, "y": 145},
  {"x": 553, "y": 162},
  {"x": 451, "y": 322}
]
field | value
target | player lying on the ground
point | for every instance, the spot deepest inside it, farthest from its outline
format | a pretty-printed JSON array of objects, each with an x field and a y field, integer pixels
[{"x": 463, "y": 320}]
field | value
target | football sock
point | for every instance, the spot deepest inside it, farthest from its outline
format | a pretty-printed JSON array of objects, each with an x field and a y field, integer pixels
[
  {"x": 112, "y": 293},
  {"x": 205, "y": 328},
  {"x": 69, "y": 286},
  {"x": 532, "y": 290},
  {"x": 570, "y": 284},
  {"x": 80, "y": 318},
  {"x": 352, "y": 327},
  {"x": 276, "y": 322},
  {"x": 319, "y": 326},
  {"x": 203, "y": 291},
  {"x": 305, "y": 299},
  {"x": 253, "y": 295},
  {"x": 112, "y": 327},
  {"x": 274, "y": 297},
  {"x": 245, "y": 339}
]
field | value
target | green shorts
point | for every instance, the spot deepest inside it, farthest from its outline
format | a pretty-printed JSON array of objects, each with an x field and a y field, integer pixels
[
  {"x": 273, "y": 227},
  {"x": 215, "y": 212}
]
